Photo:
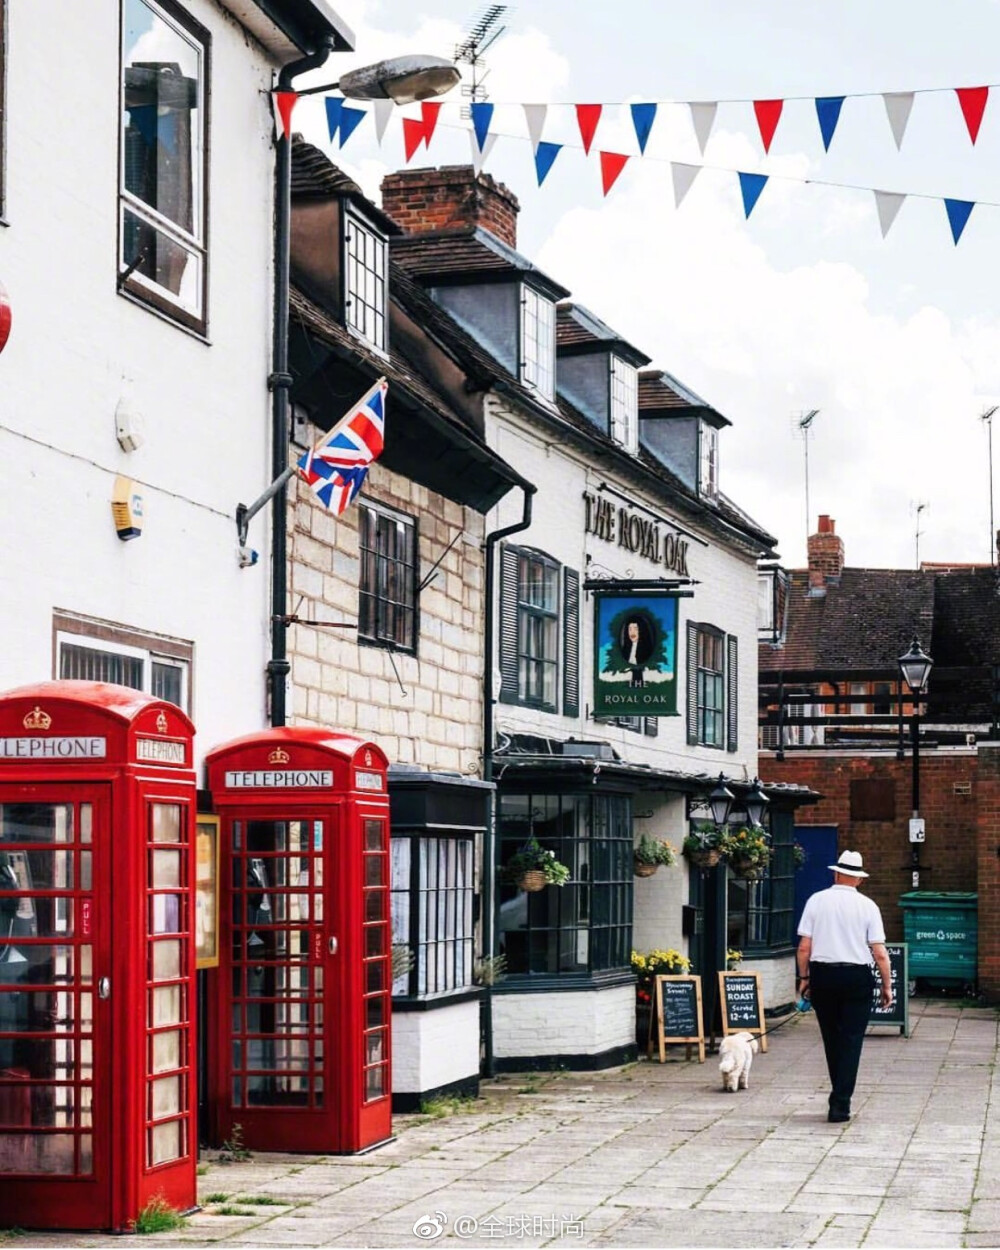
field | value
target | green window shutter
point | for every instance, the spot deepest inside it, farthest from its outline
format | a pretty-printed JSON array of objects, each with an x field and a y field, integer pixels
[
  {"x": 508, "y": 624},
  {"x": 732, "y": 693},
  {"x": 571, "y": 642},
  {"x": 692, "y": 683}
]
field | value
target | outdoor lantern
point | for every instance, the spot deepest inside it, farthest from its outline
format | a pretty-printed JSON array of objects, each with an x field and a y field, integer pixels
[
  {"x": 403, "y": 79},
  {"x": 756, "y": 803},
  {"x": 915, "y": 667},
  {"x": 720, "y": 801}
]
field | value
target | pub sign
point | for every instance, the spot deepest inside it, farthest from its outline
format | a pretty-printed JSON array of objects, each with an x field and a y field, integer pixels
[{"x": 635, "y": 662}]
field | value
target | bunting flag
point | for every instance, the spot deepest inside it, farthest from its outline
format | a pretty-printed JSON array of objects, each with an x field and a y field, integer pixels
[
  {"x": 888, "y": 204},
  {"x": 350, "y": 119},
  {"x": 282, "y": 103},
  {"x": 429, "y": 110},
  {"x": 383, "y": 111},
  {"x": 958, "y": 215},
  {"x": 337, "y": 466},
  {"x": 334, "y": 109},
  {"x": 643, "y": 116},
  {"x": 482, "y": 115},
  {"x": 587, "y": 117},
  {"x": 545, "y": 155},
  {"x": 612, "y": 164},
  {"x": 897, "y": 107},
  {"x": 413, "y": 136},
  {"x": 973, "y": 104},
  {"x": 751, "y": 186},
  {"x": 768, "y": 114},
  {"x": 683, "y": 177},
  {"x": 703, "y": 119},
  {"x": 480, "y": 154},
  {"x": 828, "y": 112},
  {"x": 535, "y": 116}
]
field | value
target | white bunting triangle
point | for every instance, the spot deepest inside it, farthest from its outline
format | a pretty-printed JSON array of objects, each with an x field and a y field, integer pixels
[
  {"x": 535, "y": 117},
  {"x": 888, "y": 204},
  {"x": 683, "y": 176},
  {"x": 478, "y": 157},
  {"x": 897, "y": 106},
  {"x": 703, "y": 119},
  {"x": 383, "y": 111}
]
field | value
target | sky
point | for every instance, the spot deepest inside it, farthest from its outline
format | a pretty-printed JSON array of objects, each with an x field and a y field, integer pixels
[{"x": 802, "y": 306}]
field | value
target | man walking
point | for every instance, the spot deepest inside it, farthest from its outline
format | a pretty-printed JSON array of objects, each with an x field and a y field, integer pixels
[{"x": 840, "y": 933}]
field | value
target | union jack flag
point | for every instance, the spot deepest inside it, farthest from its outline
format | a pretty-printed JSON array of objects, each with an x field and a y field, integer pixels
[{"x": 338, "y": 465}]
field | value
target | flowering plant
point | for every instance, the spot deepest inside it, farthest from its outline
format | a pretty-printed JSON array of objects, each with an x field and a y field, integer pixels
[
  {"x": 704, "y": 836},
  {"x": 733, "y": 959},
  {"x": 532, "y": 857},
  {"x": 752, "y": 845},
  {"x": 798, "y": 854},
  {"x": 654, "y": 851},
  {"x": 656, "y": 964}
]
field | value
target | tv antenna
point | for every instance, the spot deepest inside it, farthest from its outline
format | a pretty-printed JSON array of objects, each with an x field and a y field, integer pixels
[
  {"x": 987, "y": 416},
  {"x": 484, "y": 29},
  {"x": 917, "y": 509},
  {"x": 803, "y": 427}
]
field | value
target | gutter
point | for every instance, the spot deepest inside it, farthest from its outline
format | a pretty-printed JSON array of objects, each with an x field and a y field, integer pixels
[{"x": 489, "y": 839}]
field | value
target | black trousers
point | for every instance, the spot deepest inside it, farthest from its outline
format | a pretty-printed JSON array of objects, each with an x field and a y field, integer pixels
[{"x": 842, "y": 997}]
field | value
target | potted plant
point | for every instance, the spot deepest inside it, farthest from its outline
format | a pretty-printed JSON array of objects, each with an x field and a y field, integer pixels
[
  {"x": 798, "y": 854},
  {"x": 533, "y": 868},
  {"x": 649, "y": 853},
  {"x": 748, "y": 852},
  {"x": 733, "y": 959},
  {"x": 647, "y": 965},
  {"x": 701, "y": 845}
]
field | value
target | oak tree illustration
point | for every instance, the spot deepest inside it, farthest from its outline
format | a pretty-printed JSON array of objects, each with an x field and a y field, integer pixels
[{"x": 652, "y": 651}]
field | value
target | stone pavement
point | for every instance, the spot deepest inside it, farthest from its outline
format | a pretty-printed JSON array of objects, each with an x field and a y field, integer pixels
[{"x": 657, "y": 1155}]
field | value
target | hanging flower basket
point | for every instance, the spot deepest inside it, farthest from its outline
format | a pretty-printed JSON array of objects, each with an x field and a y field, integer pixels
[
  {"x": 532, "y": 881},
  {"x": 747, "y": 869},
  {"x": 643, "y": 870},
  {"x": 534, "y": 867},
  {"x": 708, "y": 857}
]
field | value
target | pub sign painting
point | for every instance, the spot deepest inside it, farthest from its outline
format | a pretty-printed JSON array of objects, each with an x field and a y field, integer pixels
[{"x": 635, "y": 669}]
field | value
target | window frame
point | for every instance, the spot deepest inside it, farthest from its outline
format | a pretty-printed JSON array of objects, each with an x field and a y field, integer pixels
[
  {"x": 354, "y": 220},
  {"x": 106, "y": 638},
  {"x": 130, "y": 282},
  {"x": 623, "y": 403},
  {"x": 538, "y": 614},
  {"x": 443, "y": 962},
  {"x": 760, "y": 912},
  {"x": 379, "y": 634},
  {"x": 538, "y": 319},
  {"x": 709, "y": 635},
  {"x": 708, "y": 461}
]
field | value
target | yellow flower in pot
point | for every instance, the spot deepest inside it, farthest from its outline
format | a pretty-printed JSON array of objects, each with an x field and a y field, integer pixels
[{"x": 649, "y": 853}]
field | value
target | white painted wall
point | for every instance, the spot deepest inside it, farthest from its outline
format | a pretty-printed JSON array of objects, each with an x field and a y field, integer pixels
[
  {"x": 77, "y": 348},
  {"x": 657, "y": 900},
  {"x": 434, "y": 1048},
  {"x": 563, "y": 1023}
]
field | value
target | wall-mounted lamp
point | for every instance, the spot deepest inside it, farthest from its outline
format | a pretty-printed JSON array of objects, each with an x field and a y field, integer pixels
[
  {"x": 756, "y": 803},
  {"x": 720, "y": 801}
]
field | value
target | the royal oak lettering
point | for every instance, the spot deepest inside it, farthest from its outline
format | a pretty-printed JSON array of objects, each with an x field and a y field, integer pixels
[{"x": 637, "y": 534}]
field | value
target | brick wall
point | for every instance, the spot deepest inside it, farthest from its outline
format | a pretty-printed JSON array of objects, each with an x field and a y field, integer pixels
[
  {"x": 952, "y": 819},
  {"x": 451, "y": 198},
  {"x": 989, "y": 869},
  {"x": 432, "y": 714},
  {"x": 528, "y": 1026},
  {"x": 826, "y": 554}
]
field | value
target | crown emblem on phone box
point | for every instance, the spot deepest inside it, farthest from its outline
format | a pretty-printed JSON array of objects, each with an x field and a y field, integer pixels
[
  {"x": 37, "y": 719},
  {"x": 278, "y": 756}
]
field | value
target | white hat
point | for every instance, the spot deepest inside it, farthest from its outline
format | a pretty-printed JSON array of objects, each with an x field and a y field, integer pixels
[{"x": 849, "y": 864}]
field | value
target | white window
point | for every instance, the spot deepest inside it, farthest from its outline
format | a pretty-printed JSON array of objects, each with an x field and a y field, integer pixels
[
  {"x": 431, "y": 893},
  {"x": 162, "y": 253},
  {"x": 159, "y": 666},
  {"x": 765, "y": 603},
  {"x": 365, "y": 276},
  {"x": 708, "y": 461},
  {"x": 538, "y": 342},
  {"x": 624, "y": 404}
]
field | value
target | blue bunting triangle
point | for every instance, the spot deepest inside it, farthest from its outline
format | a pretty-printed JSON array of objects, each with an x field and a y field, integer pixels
[
  {"x": 482, "y": 115},
  {"x": 545, "y": 155},
  {"x": 751, "y": 186},
  {"x": 334, "y": 108},
  {"x": 958, "y": 215},
  {"x": 350, "y": 119},
  {"x": 643, "y": 116},
  {"x": 828, "y": 111}
]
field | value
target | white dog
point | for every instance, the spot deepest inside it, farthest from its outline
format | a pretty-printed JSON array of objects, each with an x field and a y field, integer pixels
[{"x": 736, "y": 1054}]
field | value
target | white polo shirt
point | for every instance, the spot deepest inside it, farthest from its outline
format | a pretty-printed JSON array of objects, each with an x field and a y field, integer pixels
[{"x": 842, "y": 924}]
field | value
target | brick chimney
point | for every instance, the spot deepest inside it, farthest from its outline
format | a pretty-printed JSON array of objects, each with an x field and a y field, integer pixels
[
  {"x": 826, "y": 555},
  {"x": 454, "y": 197}
]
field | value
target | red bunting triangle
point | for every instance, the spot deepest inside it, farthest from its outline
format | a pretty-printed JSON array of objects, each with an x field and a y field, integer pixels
[
  {"x": 612, "y": 164},
  {"x": 768, "y": 113},
  {"x": 973, "y": 102},
  {"x": 587, "y": 116},
  {"x": 429, "y": 110},
  {"x": 284, "y": 102},
  {"x": 413, "y": 136}
]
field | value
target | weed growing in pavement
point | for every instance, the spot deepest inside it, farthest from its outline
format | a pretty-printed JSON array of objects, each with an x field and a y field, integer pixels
[
  {"x": 450, "y": 1104},
  {"x": 157, "y": 1216},
  {"x": 234, "y": 1150},
  {"x": 202, "y": 1169},
  {"x": 233, "y": 1210},
  {"x": 260, "y": 1200}
]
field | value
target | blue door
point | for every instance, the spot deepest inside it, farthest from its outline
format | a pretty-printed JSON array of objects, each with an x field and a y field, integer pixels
[{"x": 820, "y": 845}]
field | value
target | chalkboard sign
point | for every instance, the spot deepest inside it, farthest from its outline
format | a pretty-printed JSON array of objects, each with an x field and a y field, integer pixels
[
  {"x": 677, "y": 1007},
  {"x": 899, "y": 1013},
  {"x": 742, "y": 1004}
]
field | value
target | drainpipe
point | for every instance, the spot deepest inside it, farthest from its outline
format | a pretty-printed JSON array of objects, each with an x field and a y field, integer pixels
[
  {"x": 280, "y": 381},
  {"x": 489, "y": 841}
]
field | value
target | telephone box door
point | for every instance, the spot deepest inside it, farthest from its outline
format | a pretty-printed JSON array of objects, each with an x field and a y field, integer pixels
[{"x": 55, "y": 1014}]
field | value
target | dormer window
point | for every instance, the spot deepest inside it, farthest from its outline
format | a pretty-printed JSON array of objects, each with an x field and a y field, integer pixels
[
  {"x": 708, "y": 461},
  {"x": 624, "y": 404},
  {"x": 538, "y": 342},
  {"x": 365, "y": 281}
]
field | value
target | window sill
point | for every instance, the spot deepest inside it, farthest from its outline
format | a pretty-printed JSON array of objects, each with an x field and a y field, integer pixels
[
  {"x": 547, "y": 982},
  {"x": 452, "y": 998},
  {"x": 197, "y": 330}
]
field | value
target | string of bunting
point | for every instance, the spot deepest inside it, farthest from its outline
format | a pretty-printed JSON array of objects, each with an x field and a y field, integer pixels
[{"x": 343, "y": 120}]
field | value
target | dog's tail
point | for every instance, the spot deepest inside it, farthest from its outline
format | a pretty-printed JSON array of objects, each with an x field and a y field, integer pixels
[{"x": 728, "y": 1062}]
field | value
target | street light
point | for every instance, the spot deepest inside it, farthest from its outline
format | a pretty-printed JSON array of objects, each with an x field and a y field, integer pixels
[
  {"x": 756, "y": 803},
  {"x": 403, "y": 79},
  {"x": 915, "y": 668},
  {"x": 720, "y": 801}
]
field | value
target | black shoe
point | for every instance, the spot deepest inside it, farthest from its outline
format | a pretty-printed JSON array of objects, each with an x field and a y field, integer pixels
[{"x": 838, "y": 1117}]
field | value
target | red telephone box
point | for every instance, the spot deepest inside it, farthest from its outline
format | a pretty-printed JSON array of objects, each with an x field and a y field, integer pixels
[
  {"x": 97, "y": 1045},
  {"x": 299, "y": 1009}
]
